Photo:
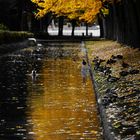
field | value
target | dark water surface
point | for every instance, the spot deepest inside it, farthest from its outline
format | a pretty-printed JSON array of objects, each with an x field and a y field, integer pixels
[{"x": 55, "y": 105}]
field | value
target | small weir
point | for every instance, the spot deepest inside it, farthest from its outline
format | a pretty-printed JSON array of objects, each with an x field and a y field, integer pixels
[{"x": 53, "y": 105}]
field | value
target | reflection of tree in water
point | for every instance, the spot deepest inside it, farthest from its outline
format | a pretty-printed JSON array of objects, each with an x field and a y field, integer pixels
[
  {"x": 13, "y": 93},
  {"x": 62, "y": 51},
  {"x": 16, "y": 85},
  {"x": 12, "y": 98}
]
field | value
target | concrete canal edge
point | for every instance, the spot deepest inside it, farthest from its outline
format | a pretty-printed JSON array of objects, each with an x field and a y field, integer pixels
[
  {"x": 11, "y": 47},
  {"x": 107, "y": 134}
]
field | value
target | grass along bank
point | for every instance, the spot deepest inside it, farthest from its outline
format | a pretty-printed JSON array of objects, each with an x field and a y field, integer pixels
[
  {"x": 116, "y": 70},
  {"x": 12, "y": 40},
  {"x": 13, "y": 36}
]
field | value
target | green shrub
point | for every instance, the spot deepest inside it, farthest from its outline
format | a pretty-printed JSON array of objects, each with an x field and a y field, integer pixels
[
  {"x": 13, "y": 36},
  {"x": 3, "y": 27}
]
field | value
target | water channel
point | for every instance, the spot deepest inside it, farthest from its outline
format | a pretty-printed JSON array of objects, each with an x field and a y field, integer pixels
[{"x": 56, "y": 104}]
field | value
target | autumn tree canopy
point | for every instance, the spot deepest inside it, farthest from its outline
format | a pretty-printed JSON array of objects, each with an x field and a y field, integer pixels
[{"x": 81, "y": 10}]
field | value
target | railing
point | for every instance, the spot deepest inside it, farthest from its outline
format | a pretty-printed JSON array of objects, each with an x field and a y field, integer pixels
[{"x": 79, "y": 31}]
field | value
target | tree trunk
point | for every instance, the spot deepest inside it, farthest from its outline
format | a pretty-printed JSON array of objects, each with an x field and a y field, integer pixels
[
  {"x": 73, "y": 27},
  {"x": 20, "y": 5},
  {"x": 41, "y": 25},
  {"x": 61, "y": 20},
  {"x": 137, "y": 4},
  {"x": 100, "y": 22},
  {"x": 134, "y": 23},
  {"x": 115, "y": 22},
  {"x": 131, "y": 24},
  {"x": 46, "y": 22},
  {"x": 123, "y": 22},
  {"x": 86, "y": 29},
  {"x": 110, "y": 23}
]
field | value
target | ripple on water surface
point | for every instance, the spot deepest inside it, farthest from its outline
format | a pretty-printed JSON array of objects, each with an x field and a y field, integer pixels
[{"x": 54, "y": 106}]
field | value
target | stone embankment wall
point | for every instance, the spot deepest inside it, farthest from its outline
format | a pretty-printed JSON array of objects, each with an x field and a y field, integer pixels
[{"x": 115, "y": 71}]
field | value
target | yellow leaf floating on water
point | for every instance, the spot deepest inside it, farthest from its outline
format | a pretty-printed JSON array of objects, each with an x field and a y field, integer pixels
[
  {"x": 94, "y": 132},
  {"x": 18, "y": 126},
  {"x": 138, "y": 132}
]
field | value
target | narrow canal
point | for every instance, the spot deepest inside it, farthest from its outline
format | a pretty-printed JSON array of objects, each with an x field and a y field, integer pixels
[{"x": 55, "y": 105}]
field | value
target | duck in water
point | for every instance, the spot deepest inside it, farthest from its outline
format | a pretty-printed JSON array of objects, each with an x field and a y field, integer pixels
[
  {"x": 84, "y": 70},
  {"x": 33, "y": 74}
]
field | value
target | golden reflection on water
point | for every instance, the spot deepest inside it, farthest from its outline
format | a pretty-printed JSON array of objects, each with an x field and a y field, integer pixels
[{"x": 61, "y": 107}]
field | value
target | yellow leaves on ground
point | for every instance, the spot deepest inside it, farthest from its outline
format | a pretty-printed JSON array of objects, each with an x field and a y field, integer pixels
[{"x": 82, "y": 10}]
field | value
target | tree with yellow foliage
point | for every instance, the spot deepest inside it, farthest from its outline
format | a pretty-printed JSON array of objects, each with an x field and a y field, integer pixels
[{"x": 75, "y": 10}]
